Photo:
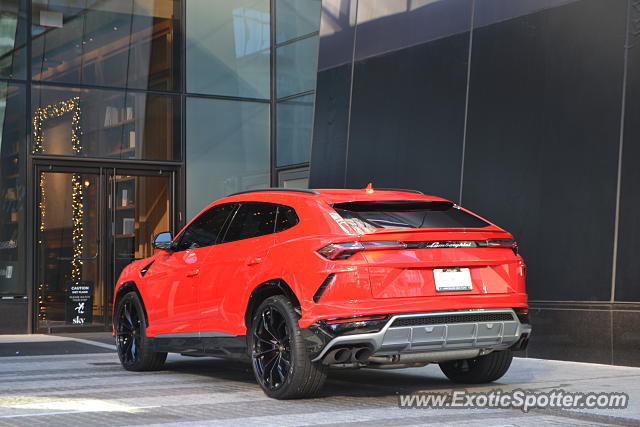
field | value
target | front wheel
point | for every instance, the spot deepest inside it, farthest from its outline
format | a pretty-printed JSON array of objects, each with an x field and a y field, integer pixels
[
  {"x": 135, "y": 350},
  {"x": 279, "y": 356},
  {"x": 478, "y": 370}
]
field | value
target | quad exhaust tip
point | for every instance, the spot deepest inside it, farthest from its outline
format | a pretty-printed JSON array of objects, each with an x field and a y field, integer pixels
[{"x": 347, "y": 355}]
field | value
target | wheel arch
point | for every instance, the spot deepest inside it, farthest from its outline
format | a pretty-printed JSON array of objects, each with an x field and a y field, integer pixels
[
  {"x": 265, "y": 290},
  {"x": 124, "y": 289}
]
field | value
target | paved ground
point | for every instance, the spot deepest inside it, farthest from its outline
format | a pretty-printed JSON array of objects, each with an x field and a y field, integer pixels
[{"x": 92, "y": 389}]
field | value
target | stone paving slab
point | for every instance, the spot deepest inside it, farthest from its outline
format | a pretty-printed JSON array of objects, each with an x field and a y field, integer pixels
[{"x": 92, "y": 389}]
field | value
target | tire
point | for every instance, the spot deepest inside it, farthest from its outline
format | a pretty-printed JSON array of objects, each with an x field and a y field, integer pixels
[
  {"x": 279, "y": 357},
  {"x": 478, "y": 370},
  {"x": 135, "y": 350}
]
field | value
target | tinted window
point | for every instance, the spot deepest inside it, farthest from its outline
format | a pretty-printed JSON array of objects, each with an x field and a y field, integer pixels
[
  {"x": 205, "y": 229},
  {"x": 253, "y": 219},
  {"x": 408, "y": 214},
  {"x": 287, "y": 218}
]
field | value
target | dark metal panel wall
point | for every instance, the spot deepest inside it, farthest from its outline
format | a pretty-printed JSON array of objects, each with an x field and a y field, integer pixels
[
  {"x": 407, "y": 118},
  {"x": 628, "y": 266},
  {"x": 543, "y": 138}
]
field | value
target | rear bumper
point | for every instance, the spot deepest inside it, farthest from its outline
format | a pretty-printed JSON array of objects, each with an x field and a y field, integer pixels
[
  {"x": 321, "y": 311},
  {"x": 437, "y": 333}
]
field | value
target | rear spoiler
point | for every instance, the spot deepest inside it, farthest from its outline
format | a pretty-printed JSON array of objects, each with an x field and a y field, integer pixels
[{"x": 395, "y": 206}]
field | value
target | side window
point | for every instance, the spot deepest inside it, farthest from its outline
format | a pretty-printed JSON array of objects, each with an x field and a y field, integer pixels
[
  {"x": 205, "y": 229},
  {"x": 287, "y": 218},
  {"x": 253, "y": 219}
]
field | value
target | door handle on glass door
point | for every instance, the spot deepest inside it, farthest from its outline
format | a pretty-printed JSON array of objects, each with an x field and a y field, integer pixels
[
  {"x": 254, "y": 261},
  {"x": 193, "y": 273}
]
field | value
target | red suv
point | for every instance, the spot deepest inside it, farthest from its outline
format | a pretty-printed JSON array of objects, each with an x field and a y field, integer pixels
[{"x": 303, "y": 280}]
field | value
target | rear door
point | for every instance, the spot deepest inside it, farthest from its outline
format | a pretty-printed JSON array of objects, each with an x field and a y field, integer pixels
[
  {"x": 234, "y": 263},
  {"x": 445, "y": 250}
]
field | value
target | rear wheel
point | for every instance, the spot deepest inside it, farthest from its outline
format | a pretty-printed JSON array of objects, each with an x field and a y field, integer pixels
[
  {"x": 135, "y": 350},
  {"x": 481, "y": 369},
  {"x": 279, "y": 356}
]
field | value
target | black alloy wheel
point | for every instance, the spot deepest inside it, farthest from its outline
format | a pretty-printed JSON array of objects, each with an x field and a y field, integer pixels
[
  {"x": 272, "y": 349},
  {"x": 135, "y": 350},
  {"x": 128, "y": 333},
  {"x": 279, "y": 356}
]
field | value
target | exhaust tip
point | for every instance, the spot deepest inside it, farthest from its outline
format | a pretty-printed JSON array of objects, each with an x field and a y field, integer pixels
[
  {"x": 342, "y": 355},
  {"x": 361, "y": 354},
  {"x": 338, "y": 355}
]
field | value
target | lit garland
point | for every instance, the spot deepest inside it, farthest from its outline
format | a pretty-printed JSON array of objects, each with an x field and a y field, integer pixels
[
  {"x": 56, "y": 110},
  {"x": 77, "y": 203},
  {"x": 42, "y": 307},
  {"x": 77, "y": 213},
  {"x": 42, "y": 204}
]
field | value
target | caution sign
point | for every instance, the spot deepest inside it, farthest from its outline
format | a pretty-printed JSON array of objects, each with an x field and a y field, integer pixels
[{"x": 79, "y": 305}]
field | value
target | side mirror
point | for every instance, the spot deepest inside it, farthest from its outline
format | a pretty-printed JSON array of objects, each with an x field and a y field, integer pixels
[{"x": 163, "y": 241}]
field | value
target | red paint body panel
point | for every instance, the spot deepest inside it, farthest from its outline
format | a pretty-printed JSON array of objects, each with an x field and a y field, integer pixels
[{"x": 208, "y": 289}]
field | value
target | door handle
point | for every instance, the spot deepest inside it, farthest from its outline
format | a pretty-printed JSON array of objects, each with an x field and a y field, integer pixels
[
  {"x": 254, "y": 261},
  {"x": 193, "y": 273}
]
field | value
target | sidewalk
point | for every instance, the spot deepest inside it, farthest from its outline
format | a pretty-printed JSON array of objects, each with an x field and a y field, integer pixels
[
  {"x": 41, "y": 345},
  {"x": 92, "y": 389}
]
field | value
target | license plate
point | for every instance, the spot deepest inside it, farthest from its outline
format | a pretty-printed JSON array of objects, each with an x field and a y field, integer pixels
[{"x": 452, "y": 279}]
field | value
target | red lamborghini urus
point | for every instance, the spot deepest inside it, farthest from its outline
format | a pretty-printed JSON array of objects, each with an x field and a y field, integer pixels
[{"x": 299, "y": 281}]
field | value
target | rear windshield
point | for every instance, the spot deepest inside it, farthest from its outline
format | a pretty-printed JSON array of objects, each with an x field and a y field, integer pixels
[{"x": 406, "y": 214}]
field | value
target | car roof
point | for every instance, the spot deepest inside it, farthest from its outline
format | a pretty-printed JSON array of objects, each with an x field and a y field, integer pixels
[{"x": 338, "y": 195}]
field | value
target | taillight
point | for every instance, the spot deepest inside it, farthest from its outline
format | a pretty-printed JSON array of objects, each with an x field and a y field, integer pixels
[
  {"x": 340, "y": 251},
  {"x": 500, "y": 243}
]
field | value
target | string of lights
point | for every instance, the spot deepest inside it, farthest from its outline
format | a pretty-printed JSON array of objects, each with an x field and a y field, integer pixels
[
  {"x": 77, "y": 234},
  {"x": 77, "y": 197},
  {"x": 56, "y": 110},
  {"x": 42, "y": 205}
]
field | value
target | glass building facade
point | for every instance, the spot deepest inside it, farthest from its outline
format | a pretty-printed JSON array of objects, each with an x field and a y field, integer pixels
[{"x": 123, "y": 118}]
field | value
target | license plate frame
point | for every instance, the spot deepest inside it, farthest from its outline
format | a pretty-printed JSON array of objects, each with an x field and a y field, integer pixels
[{"x": 452, "y": 279}]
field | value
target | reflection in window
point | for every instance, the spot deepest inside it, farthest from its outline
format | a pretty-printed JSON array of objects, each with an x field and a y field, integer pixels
[
  {"x": 297, "y": 67},
  {"x": 141, "y": 211},
  {"x": 251, "y": 30},
  {"x": 104, "y": 123},
  {"x": 227, "y": 149},
  {"x": 296, "y": 18},
  {"x": 12, "y": 189},
  {"x": 108, "y": 43},
  {"x": 228, "y": 50},
  {"x": 295, "y": 121},
  {"x": 12, "y": 39}
]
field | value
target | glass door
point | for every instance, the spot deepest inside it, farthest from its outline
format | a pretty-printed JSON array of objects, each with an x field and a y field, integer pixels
[
  {"x": 140, "y": 208},
  {"x": 91, "y": 223},
  {"x": 69, "y": 289}
]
